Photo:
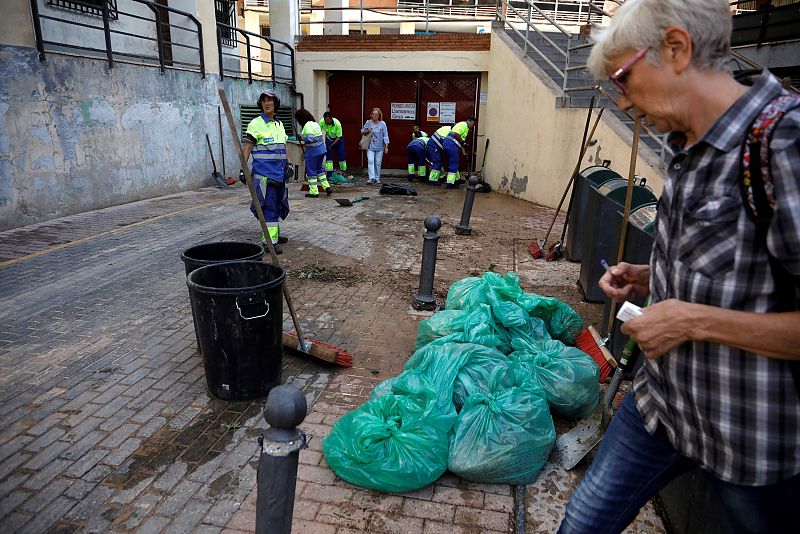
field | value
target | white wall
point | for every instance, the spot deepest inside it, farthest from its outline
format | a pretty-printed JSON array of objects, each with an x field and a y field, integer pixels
[{"x": 535, "y": 145}]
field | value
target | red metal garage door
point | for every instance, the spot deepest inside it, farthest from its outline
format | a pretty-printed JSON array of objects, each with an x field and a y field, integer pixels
[
  {"x": 403, "y": 92},
  {"x": 345, "y": 104}
]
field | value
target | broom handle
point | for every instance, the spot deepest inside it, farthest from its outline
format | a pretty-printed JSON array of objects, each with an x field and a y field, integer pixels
[
  {"x": 627, "y": 213},
  {"x": 584, "y": 148},
  {"x": 572, "y": 195},
  {"x": 257, "y": 204}
]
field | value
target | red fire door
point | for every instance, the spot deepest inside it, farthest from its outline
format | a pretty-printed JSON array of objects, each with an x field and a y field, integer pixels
[{"x": 404, "y": 99}]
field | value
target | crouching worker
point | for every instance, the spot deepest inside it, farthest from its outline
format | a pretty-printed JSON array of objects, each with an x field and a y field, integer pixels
[
  {"x": 435, "y": 151},
  {"x": 453, "y": 146},
  {"x": 314, "y": 153},
  {"x": 265, "y": 139},
  {"x": 417, "y": 156}
]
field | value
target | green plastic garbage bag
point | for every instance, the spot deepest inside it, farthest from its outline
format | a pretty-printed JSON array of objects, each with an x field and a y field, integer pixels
[
  {"x": 562, "y": 322},
  {"x": 503, "y": 434},
  {"x": 394, "y": 443},
  {"x": 568, "y": 375},
  {"x": 475, "y": 375},
  {"x": 475, "y": 326},
  {"x": 337, "y": 178}
]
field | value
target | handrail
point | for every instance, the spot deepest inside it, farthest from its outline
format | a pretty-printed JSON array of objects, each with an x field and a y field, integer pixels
[
  {"x": 105, "y": 26},
  {"x": 248, "y": 46},
  {"x": 560, "y": 73}
]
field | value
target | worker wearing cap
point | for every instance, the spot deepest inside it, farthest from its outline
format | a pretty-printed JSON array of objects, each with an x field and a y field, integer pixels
[
  {"x": 265, "y": 140},
  {"x": 435, "y": 151},
  {"x": 453, "y": 146},
  {"x": 417, "y": 158},
  {"x": 334, "y": 143}
]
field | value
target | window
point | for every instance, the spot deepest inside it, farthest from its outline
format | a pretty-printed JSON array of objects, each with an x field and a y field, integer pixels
[
  {"x": 90, "y": 7},
  {"x": 226, "y": 14}
]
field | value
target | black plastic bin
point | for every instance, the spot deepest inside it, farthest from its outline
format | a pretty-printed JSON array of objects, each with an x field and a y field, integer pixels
[
  {"x": 238, "y": 311},
  {"x": 217, "y": 252}
]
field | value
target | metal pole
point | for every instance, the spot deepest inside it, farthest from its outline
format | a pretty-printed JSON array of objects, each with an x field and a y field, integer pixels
[
  {"x": 159, "y": 37},
  {"x": 37, "y": 29},
  {"x": 219, "y": 51},
  {"x": 107, "y": 32},
  {"x": 427, "y": 14},
  {"x": 249, "y": 61},
  {"x": 463, "y": 227},
  {"x": 527, "y": 29},
  {"x": 425, "y": 299},
  {"x": 361, "y": 24},
  {"x": 280, "y": 444},
  {"x": 200, "y": 52}
]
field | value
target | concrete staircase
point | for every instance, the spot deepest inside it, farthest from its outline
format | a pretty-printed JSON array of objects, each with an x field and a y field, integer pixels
[{"x": 580, "y": 78}]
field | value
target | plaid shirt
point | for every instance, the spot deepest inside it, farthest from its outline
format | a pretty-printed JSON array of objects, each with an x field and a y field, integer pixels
[{"x": 736, "y": 413}]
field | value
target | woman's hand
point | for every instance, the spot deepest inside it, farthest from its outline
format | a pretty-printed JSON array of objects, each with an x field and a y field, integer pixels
[{"x": 386, "y": 149}]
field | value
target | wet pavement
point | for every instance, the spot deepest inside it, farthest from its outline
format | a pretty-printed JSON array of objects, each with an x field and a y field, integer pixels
[{"x": 106, "y": 420}]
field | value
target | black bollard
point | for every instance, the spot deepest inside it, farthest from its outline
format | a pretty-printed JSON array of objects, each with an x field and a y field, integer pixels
[
  {"x": 277, "y": 467},
  {"x": 425, "y": 300},
  {"x": 463, "y": 227}
]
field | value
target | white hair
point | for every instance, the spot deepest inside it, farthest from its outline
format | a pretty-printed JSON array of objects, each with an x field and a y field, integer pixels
[{"x": 640, "y": 23}]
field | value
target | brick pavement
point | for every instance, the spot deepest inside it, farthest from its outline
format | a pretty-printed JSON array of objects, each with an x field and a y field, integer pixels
[{"x": 106, "y": 422}]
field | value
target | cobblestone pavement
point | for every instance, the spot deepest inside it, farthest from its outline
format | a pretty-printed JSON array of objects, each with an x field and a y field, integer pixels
[{"x": 106, "y": 421}]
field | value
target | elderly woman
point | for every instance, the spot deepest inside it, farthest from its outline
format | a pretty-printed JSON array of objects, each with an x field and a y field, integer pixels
[{"x": 720, "y": 388}]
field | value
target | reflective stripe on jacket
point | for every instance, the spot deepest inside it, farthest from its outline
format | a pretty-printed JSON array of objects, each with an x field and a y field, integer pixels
[{"x": 269, "y": 152}]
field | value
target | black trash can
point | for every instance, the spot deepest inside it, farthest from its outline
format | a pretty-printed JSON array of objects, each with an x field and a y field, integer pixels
[
  {"x": 219, "y": 251},
  {"x": 216, "y": 252},
  {"x": 238, "y": 311}
]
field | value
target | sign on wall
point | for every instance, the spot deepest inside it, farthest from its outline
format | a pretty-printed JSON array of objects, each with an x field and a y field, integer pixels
[
  {"x": 404, "y": 111},
  {"x": 433, "y": 112},
  {"x": 447, "y": 112}
]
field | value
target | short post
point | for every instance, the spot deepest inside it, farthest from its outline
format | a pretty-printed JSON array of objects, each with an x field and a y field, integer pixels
[
  {"x": 463, "y": 227},
  {"x": 425, "y": 299},
  {"x": 277, "y": 466}
]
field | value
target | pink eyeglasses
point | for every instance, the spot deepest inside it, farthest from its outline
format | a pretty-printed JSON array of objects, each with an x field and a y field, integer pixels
[{"x": 618, "y": 78}]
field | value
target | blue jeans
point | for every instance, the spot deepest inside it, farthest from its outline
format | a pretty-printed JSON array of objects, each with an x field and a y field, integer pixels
[{"x": 632, "y": 466}]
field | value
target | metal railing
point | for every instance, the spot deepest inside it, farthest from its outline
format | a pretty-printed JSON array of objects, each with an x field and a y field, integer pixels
[
  {"x": 246, "y": 59},
  {"x": 508, "y": 13},
  {"x": 145, "y": 36}
]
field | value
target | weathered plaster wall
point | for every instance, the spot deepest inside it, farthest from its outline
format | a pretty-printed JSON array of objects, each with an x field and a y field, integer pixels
[
  {"x": 534, "y": 145},
  {"x": 76, "y": 136}
]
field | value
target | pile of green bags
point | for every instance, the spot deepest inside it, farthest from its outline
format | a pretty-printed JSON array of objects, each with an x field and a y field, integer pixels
[{"x": 476, "y": 395}]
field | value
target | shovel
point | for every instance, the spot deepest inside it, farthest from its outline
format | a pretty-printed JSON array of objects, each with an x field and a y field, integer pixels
[
  {"x": 346, "y": 202},
  {"x": 215, "y": 175},
  {"x": 577, "y": 443}
]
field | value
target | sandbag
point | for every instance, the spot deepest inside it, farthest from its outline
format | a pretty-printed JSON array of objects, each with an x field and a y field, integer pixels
[
  {"x": 503, "y": 434},
  {"x": 568, "y": 375},
  {"x": 396, "y": 442}
]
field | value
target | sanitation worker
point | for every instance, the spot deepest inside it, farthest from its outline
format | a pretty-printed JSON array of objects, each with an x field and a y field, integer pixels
[
  {"x": 453, "y": 147},
  {"x": 314, "y": 153},
  {"x": 265, "y": 140},
  {"x": 720, "y": 385},
  {"x": 417, "y": 158},
  {"x": 334, "y": 143},
  {"x": 435, "y": 151}
]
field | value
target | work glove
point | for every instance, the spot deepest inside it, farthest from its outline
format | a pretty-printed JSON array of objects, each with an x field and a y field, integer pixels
[
  {"x": 288, "y": 173},
  {"x": 242, "y": 177}
]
